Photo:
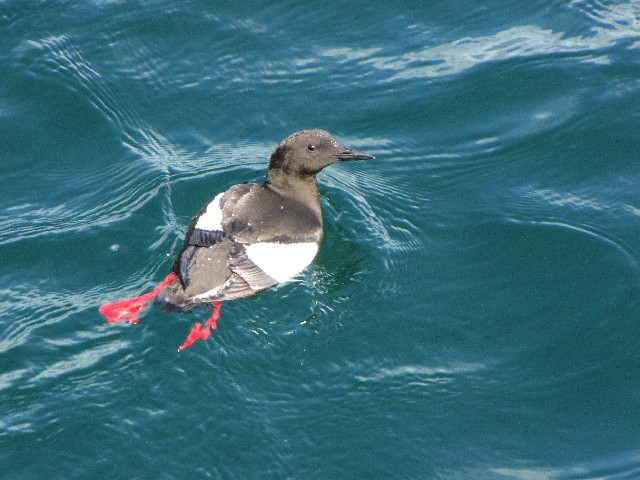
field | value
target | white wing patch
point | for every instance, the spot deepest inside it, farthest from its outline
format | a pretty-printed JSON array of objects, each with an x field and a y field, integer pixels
[
  {"x": 211, "y": 219},
  {"x": 281, "y": 261}
]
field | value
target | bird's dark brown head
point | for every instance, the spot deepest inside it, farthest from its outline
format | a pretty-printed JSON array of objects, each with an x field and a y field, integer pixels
[{"x": 307, "y": 152}]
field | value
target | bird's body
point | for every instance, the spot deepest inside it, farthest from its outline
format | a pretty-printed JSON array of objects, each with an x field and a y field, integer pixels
[
  {"x": 235, "y": 247},
  {"x": 254, "y": 236}
]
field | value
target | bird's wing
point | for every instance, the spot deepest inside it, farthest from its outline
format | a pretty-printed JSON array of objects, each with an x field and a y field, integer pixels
[
  {"x": 213, "y": 263},
  {"x": 205, "y": 238},
  {"x": 243, "y": 277},
  {"x": 206, "y": 231},
  {"x": 240, "y": 264}
]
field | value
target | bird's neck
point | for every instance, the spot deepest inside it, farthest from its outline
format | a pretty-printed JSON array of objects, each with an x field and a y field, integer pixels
[{"x": 301, "y": 188}]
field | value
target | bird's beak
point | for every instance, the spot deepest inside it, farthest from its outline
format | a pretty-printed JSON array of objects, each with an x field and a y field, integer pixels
[{"x": 348, "y": 154}]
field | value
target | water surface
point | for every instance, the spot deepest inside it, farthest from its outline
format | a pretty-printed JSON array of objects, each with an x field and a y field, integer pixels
[{"x": 473, "y": 311}]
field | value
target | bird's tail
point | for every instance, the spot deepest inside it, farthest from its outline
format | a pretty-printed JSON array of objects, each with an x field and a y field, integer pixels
[{"x": 172, "y": 298}]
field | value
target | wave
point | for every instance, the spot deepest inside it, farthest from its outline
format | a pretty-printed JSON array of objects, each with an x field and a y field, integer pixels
[
  {"x": 613, "y": 23},
  {"x": 608, "y": 221}
]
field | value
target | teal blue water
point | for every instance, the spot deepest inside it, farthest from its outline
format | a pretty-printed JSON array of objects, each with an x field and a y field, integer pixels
[{"x": 474, "y": 310}]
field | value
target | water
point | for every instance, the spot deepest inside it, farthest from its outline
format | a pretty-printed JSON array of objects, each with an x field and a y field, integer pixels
[{"x": 473, "y": 312}]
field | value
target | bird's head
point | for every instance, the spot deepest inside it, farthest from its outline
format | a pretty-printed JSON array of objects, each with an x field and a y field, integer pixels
[{"x": 309, "y": 151}]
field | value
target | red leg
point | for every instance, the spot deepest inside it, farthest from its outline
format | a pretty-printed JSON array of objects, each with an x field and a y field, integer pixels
[
  {"x": 200, "y": 332},
  {"x": 128, "y": 309},
  {"x": 211, "y": 321}
]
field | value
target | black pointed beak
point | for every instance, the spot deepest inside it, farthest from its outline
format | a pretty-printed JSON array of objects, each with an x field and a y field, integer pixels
[{"x": 349, "y": 154}]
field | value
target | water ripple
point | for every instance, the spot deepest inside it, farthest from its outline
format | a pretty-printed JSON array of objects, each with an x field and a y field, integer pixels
[
  {"x": 621, "y": 465},
  {"x": 605, "y": 220},
  {"x": 409, "y": 373},
  {"x": 61, "y": 58},
  {"x": 618, "y": 22},
  {"x": 98, "y": 194},
  {"x": 98, "y": 203}
]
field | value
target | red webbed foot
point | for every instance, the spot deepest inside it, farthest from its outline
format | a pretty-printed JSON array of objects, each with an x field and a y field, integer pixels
[
  {"x": 200, "y": 332},
  {"x": 127, "y": 310}
]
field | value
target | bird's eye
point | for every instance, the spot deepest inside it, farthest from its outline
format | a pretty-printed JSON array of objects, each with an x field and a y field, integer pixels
[{"x": 311, "y": 148}]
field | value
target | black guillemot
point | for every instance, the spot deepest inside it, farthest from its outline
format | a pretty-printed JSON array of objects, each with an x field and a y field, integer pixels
[{"x": 249, "y": 237}]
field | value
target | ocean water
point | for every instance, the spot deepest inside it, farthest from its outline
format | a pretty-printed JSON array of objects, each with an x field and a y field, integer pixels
[{"x": 473, "y": 312}]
